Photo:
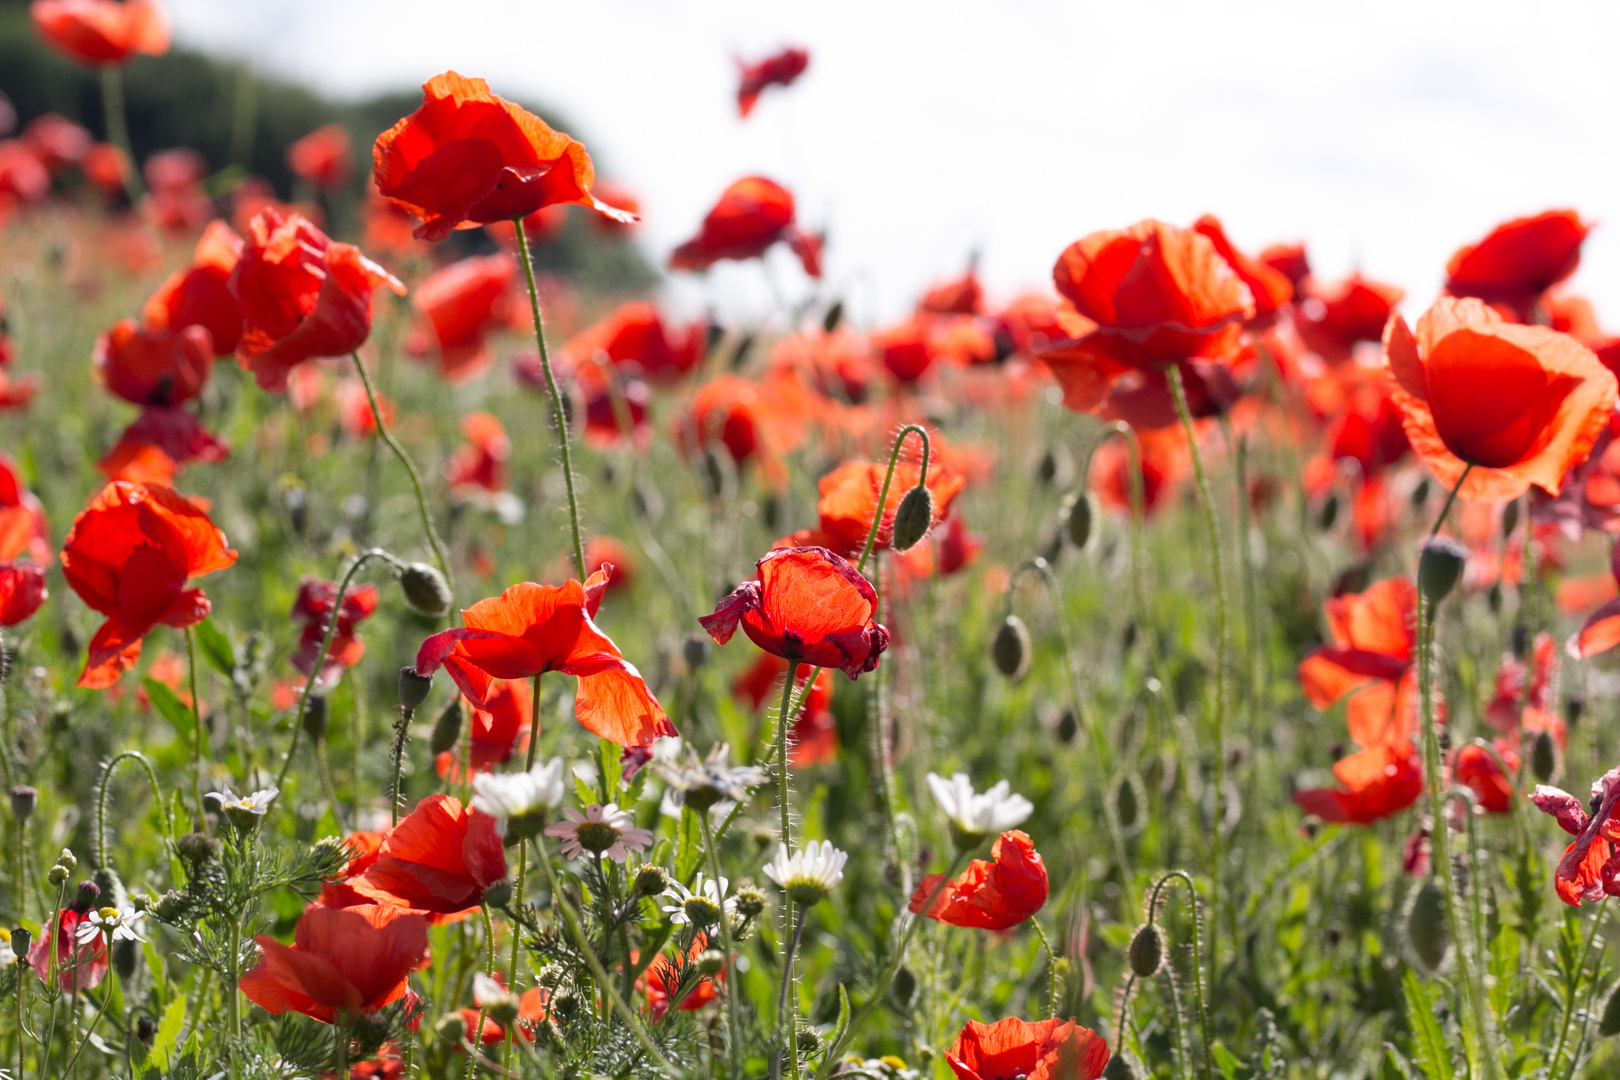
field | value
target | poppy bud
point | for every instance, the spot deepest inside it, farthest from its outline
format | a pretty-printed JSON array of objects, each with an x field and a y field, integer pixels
[
  {"x": 710, "y": 961},
  {"x": 446, "y": 729},
  {"x": 1121, "y": 1067},
  {"x": 1010, "y": 648},
  {"x": 834, "y": 316},
  {"x": 425, "y": 590},
  {"x": 1420, "y": 494},
  {"x": 1146, "y": 952},
  {"x": 370, "y": 1029},
  {"x": 770, "y": 510},
  {"x": 20, "y": 940},
  {"x": 1544, "y": 757},
  {"x": 23, "y": 801},
  {"x": 1068, "y": 726},
  {"x": 297, "y": 507},
  {"x": 106, "y": 879},
  {"x": 413, "y": 688},
  {"x": 715, "y": 473},
  {"x": 503, "y": 1010},
  {"x": 1126, "y": 804},
  {"x": 1078, "y": 519},
  {"x": 1520, "y": 640},
  {"x": 695, "y": 650},
  {"x": 316, "y": 713},
  {"x": 1493, "y": 598},
  {"x": 1426, "y": 930},
  {"x": 1439, "y": 567},
  {"x": 1510, "y": 518},
  {"x": 1330, "y": 512},
  {"x": 499, "y": 894},
  {"x": 86, "y": 895},
  {"x": 1047, "y": 469},
  {"x": 1574, "y": 706},
  {"x": 650, "y": 880},
  {"x": 913, "y": 519},
  {"x": 451, "y": 1028},
  {"x": 905, "y": 986},
  {"x": 1609, "y": 1025},
  {"x": 197, "y": 847},
  {"x": 126, "y": 956}
]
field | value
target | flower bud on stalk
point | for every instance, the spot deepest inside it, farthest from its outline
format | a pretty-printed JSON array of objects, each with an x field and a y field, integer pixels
[
  {"x": 710, "y": 962},
  {"x": 446, "y": 729},
  {"x": 1544, "y": 757},
  {"x": 316, "y": 714},
  {"x": 425, "y": 590},
  {"x": 1439, "y": 567},
  {"x": 1078, "y": 519},
  {"x": 1010, "y": 648},
  {"x": 21, "y": 939},
  {"x": 1609, "y": 1026},
  {"x": 1146, "y": 952},
  {"x": 413, "y": 688},
  {"x": 23, "y": 801},
  {"x": 1426, "y": 930},
  {"x": 913, "y": 519}
]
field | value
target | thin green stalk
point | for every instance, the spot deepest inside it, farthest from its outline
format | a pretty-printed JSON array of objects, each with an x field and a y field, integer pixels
[
  {"x": 342, "y": 1050},
  {"x": 523, "y": 849},
  {"x": 323, "y": 770},
  {"x": 197, "y": 753},
  {"x": 1451, "y": 498},
  {"x": 1569, "y": 993},
  {"x": 558, "y": 416},
  {"x": 791, "y": 1020},
  {"x": 100, "y": 852},
  {"x": 112, "y": 107},
  {"x": 1051, "y": 969},
  {"x": 1198, "y": 984},
  {"x": 410, "y": 469},
  {"x": 475, "y": 1037},
  {"x": 233, "y": 993},
  {"x": 1591, "y": 998},
  {"x": 888, "y": 478},
  {"x": 733, "y": 986}
]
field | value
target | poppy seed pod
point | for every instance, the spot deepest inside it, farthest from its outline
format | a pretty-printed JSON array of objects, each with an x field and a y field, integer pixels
[
  {"x": 316, "y": 715},
  {"x": 145, "y": 1028},
  {"x": 1068, "y": 726},
  {"x": 446, "y": 729},
  {"x": 1121, "y": 1067},
  {"x": 695, "y": 651},
  {"x": 1146, "y": 952},
  {"x": 413, "y": 688},
  {"x": 1439, "y": 567},
  {"x": 499, "y": 894},
  {"x": 1609, "y": 1025},
  {"x": 913, "y": 519},
  {"x": 1010, "y": 648},
  {"x": 1426, "y": 930},
  {"x": 1544, "y": 757},
  {"x": 1126, "y": 803},
  {"x": 23, "y": 801},
  {"x": 1078, "y": 518},
  {"x": 425, "y": 590}
]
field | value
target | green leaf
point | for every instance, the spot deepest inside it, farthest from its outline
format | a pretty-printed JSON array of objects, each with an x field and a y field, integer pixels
[
  {"x": 216, "y": 648},
  {"x": 1225, "y": 1062},
  {"x": 168, "y": 1032},
  {"x": 174, "y": 710},
  {"x": 1393, "y": 1066},
  {"x": 1428, "y": 1043}
]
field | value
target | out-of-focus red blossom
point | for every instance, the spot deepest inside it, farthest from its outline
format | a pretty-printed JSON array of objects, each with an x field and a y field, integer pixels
[
  {"x": 1332, "y": 319},
  {"x": 323, "y": 157},
  {"x": 480, "y": 461},
  {"x": 663, "y": 979},
  {"x": 532, "y": 1007},
  {"x": 496, "y": 730},
  {"x": 616, "y": 195},
  {"x": 343, "y": 962},
  {"x": 541, "y": 227},
  {"x": 957, "y": 548},
  {"x": 128, "y": 556},
  {"x": 22, "y": 590},
  {"x": 1476, "y": 768},
  {"x": 608, "y": 555},
  {"x": 634, "y": 337},
  {"x": 98, "y": 32},
  {"x": 154, "y": 367},
  {"x": 808, "y": 605},
  {"x": 1143, "y": 399},
  {"x": 302, "y": 296},
  {"x": 1165, "y": 463},
  {"x": 23, "y": 528},
  {"x": 993, "y": 895},
  {"x": 57, "y": 141},
  {"x": 461, "y": 305},
  {"x": 175, "y": 199},
  {"x": 388, "y": 1065},
  {"x": 363, "y": 848},
  {"x": 1014, "y": 1049},
  {"x": 531, "y": 629},
  {"x": 594, "y": 384},
  {"x": 78, "y": 966},
  {"x": 778, "y": 69},
  {"x": 468, "y": 157},
  {"x": 1513, "y": 405},
  {"x": 388, "y": 228},
  {"x": 1271, "y": 289},
  {"x": 752, "y": 214},
  {"x": 1590, "y": 868},
  {"x": 158, "y": 446},
  {"x": 963, "y": 296},
  {"x": 313, "y": 608},
  {"x": 1575, "y": 316},
  {"x": 905, "y": 349},
  {"x": 254, "y": 196},
  {"x": 837, "y": 366},
  {"x": 1518, "y": 261},
  {"x": 438, "y": 860},
  {"x": 107, "y": 167},
  {"x": 747, "y": 418},
  {"x": 354, "y": 409},
  {"x": 1290, "y": 261},
  {"x": 814, "y": 734},
  {"x": 1523, "y": 702},
  {"x": 849, "y": 500},
  {"x": 200, "y": 294},
  {"x": 1376, "y": 783},
  {"x": 1370, "y": 660},
  {"x": 22, "y": 176}
]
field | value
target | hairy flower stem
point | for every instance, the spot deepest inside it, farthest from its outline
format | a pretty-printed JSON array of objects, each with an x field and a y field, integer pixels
[
  {"x": 523, "y": 849},
  {"x": 733, "y": 1008},
  {"x": 475, "y": 1037},
  {"x": 883, "y": 493},
  {"x": 558, "y": 416},
  {"x": 1217, "y": 564},
  {"x": 1051, "y": 969},
  {"x": 323, "y": 770},
  {"x": 112, "y": 108},
  {"x": 100, "y": 851},
  {"x": 233, "y": 993},
  {"x": 791, "y": 1051},
  {"x": 410, "y": 470},
  {"x": 402, "y": 735},
  {"x": 197, "y": 754},
  {"x": 1197, "y": 980}
]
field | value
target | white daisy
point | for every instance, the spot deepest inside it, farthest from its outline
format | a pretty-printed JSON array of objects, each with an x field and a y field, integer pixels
[
  {"x": 118, "y": 925},
  {"x": 976, "y": 816},
  {"x": 701, "y": 784},
  {"x": 518, "y": 798},
  {"x": 601, "y": 830},
  {"x": 700, "y": 905},
  {"x": 809, "y": 873},
  {"x": 257, "y": 803}
]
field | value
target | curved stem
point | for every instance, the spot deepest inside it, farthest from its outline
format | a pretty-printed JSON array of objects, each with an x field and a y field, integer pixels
[
  {"x": 733, "y": 1008},
  {"x": 197, "y": 730},
  {"x": 558, "y": 416},
  {"x": 883, "y": 493},
  {"x": 100, "y": 852},
  {"x": 1451, "y": 498},
  {"x": 410, "y": 470},
  {"x": 1198, "y": 982},
  {"x": 1124, "y": 1013}
]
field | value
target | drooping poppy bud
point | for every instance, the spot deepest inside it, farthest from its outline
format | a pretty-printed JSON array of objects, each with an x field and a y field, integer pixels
[
  {"x": 913, "y": 519},
  {"x": 1078, "y": 519},
  {"x": 446, "y": 729},
  {"x": 1544, "y": 757},
  {"x": 1010, "y": 648},
  {"x": 425, "y": 590},
  {"x": 1439, "y": 567},
  {"x": 316, "y": 714},
  {"x": 1426, "y": 930},
  {"x": 1146, "y": 952}
]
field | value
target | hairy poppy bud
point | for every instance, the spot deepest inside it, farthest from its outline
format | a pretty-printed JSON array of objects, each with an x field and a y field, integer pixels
[
  {"x": 413, "y": 688},
  {"x": 1068, "y": 726},
  {"x": 905, "y": 986},
  {"x": 86, "y": 895},
  {"x": 1420, "y": 494},
  {"x": 1121, "y": 1067},
  {"x": 1010, "y": 648},
  {"x": 446, "y": 729},
  {"x": 710, "y": 961},
  {"x": 1609, "y": 1025},
  {"x": 106, "y": 879},
  {"x": 650, "y": 880},
  {"x": 21, "y": 939},
  {"x": 316, "y": 714},
  {"x": 1047, "y": 469},
  {"x": 425, "y": 590},
  {"x": 451, "y": 1028},
  {"x": 197, "y": 847},
  {"x": 1574, "y": 707},
  {"x": 913, "y": 519},
  {"x": 1426, "y": 930},
  {"x": 23, "y": 801},
  {"x": 503, "y": 1010},
  {"x": 1439, "y": 567},
  {"x": 1510, "y": 518},
  {"x": 1146, "y": 952},
  {"x": 499, "y": 894},
  {"x": 1330, "y": 512},
  {"x": 834, "y": 316},
  {"x": 695, "y": 650},
  {"x": 1126, "y": 804},
  {"x": 126, "y": 957},
  {"x": 1544, "y": 757},
  {"x": 1078, "y": 519}
]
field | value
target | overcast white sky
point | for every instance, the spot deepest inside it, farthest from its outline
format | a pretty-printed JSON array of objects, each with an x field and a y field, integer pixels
[{"x": 1383, "y": 133}]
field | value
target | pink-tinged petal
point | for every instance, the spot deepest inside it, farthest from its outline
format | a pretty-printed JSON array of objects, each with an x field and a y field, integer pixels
[{"x": 1564, "y": 807}]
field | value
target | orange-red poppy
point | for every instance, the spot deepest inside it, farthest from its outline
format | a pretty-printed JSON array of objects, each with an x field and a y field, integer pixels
[
  {"x": 958, "y": 548},
  {"x": 461, "y": 305},
  {"x": 748, "y": 419},
  {"x": 323, "y": 157},
  {"x": 1476, "y": 768},
  {"x": 128, "y": 556},
  {"x": 962, "y": 296},
  {"x": 343, "y": 962},
  {"x": 531, "y": 629},
  {"x": 98, "y": 32},
  {"x": 1513, "y": 405},
  {"x": 608, "y": 555},
  {"x": 438, "y": 860},
  {"x": 752, "y": 214},
  {"x": 158, "y": 446},
  {"x": 154, "y": 367},
  {"x": 635, "y": 337},
  {"x": 1370, "y": 659},
  {"x": 1014, "y": 1049},
  {"x": 200, "y": 294},
  {"x": 778, "y": 69},
  {"x": 1332, "y": 319},
  {"x": 808, "y": 605},
  {"x": 22, "y": 590},
  {"x": 23, "y": 176},
  {"x": 993, "y": 895},
  {"x": 496, "y": 730},
  {"x": 481, "y": 461},
  {"x": 1376, "y": 783},
  {"x": 175, "y": 199},
  {"x": 1165, "y": 463},
  {"x": 849, "y": 500},
  {"x": 837, "y": 366},
  {"x": 905, "y": 349},
  {"x": 1518, "y": 261},
  {"x": 532, "y": 1007},
  {"x": 468, "y": 158},
  {"x": 23, "y": 528},
  {"x": 1589, "y": 870},
  {"x": 363, "y": 847},
  {"x": 79, "y": 966},
  {"x": 302, "y": 296},
  {"x": 1270, "y": 288},
  {"x": 313, "y": 608}
]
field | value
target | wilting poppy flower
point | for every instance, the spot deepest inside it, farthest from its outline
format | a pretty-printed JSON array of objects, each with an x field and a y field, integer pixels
[
  {"x": 159, "y": 444},
  {"x": 468, "y": 157},
  {"x": 481, "y": 461},
  {"x": 1377, "y": 782},
  {"x": 849, "y": 500},
  {"x": 343, "y": 962},
  {"x": 107, "y": 167},
  {"x": 1332, "y": 319},
  {"x": 22, "y": 590},
  {"x": 301, "y": 295},
  {"x": 98, "y": 32},
  {"x": 322, "y": 157},
  {"x": 496, "y": 730},
  {"x": 1513, "y": 405},
  {"x": 1270, "y": 288},
  {"x": 128, "y": 556},
  {"x": 663, "y": 979},
  {"x": 438, "y": 860},
  {"x": 313, "y": 608},
  {"x": 634, "y": 336},
  {"x": 1475, "y": 768},
  {"x": 79, "y": 966},
  {"x": 57, "y": 141},
  {"x": 23, "y": 529},
  {"x": 531, "y": 629},
  {"x": 808, "y": 606},
  {"x": 993, "y": 895},
  {"x": 1590, "y": 868},
  {"x": 154, "y": 367},
  {"x": 752, "y": 214},
  {"x": 461, "y": 305},
  {"x": 1373, "y": 634},
  {"x": 1519, "y": 260},
  {"x": 200, "y": 294},
  {"x": 779, "y": 69},
  {"x": 1014, "y": 1049}
]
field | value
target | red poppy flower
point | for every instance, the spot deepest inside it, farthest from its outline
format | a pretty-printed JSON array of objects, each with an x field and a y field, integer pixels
[
  {"x": 322, "y": 157},
  {"x": 438, "y": 860},
  {"x": 176, "y": 199},
  {"x": 343, "y": 962},
  {"x": 1520, "y": 404},
  {"x": 97, "y": 32},
  {"x": 1366, "y": 427},
  {"x": 808, "y": 606},
  {"x": 1332, "y": 319},
  {"x": 468, "y": 157},
  {"x": 154, "y": 367},
  {"x": 1270, "y": 288},
  {"x": 57, "y": 141},
  {"x": 1014, "y": 1049},
  {"x": 22, "y": 590},
  {"x": 128, "y": 556},
  {"x": 608, "y": 555},
  {"x": 364, "y": 849},
  {"x": 1290, "y": 261},
  {"x": 531, "y": 629},
  {"x": 78, "y": 967},
  {"x": 737, "y": 414},
  {"x": 849, "y": 499},
  {"x": 752, "y": 214},
  {"x": 993, "y": 895},
  {"x": 1165, "y": 462},
  {"x": 780, "y": 69},
  {"x": 497, "y": 730},
  {"x": 958, "y": 548},
  {"x": 481, "y": 461},
  {"x": 623, "y": 198},
  {"x": 313, "y": 608},
  {"x": 1377, "y": 782},
  {"x": 963, "y": 296},
  {"x": 23, "y": 529},
  {"x": 532, "y": 1009},
  {"x": 1143, "y": 399},
  {"x": 200, "y": 294},
  {"x": 159, "y": 444},
  {"x": 107, "y": 167},
  {"x": 301, "y": 295},
  {"x": 461, "y": 304},
  {"x": 1373, "y": 635},
  {"x": 663, "y": 979},
  {"x": 22, "y": 175},
  {"x": 1475, "y": 768},
  {"x": 905, "y": 350},
  {"x": 1523, "y": 702},
  {"x": 1590, "y": 868},
  {"x": 635, "y": 337},
  {"x": 1519, "y": 260}
]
